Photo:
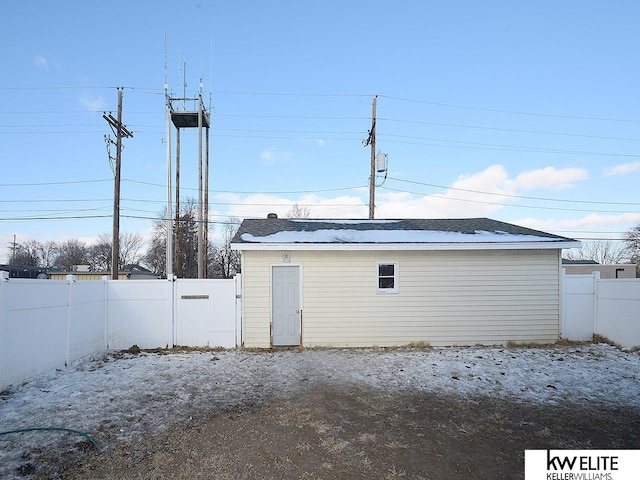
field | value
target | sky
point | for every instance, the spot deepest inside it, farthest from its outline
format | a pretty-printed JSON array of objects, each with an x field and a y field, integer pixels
[{"x": 524, "y": 112}]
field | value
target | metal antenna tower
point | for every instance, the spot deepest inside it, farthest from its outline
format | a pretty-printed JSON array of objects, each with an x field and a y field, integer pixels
[{"x": 195, "y": 118}]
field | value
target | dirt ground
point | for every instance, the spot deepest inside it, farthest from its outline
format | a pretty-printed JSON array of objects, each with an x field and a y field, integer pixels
[{"x": 331, "y": 434}]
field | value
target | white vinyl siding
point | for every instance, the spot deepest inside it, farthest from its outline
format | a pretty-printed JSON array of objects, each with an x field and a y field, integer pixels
[
  {"x": 447, "y": 298},
  {"x": 256, "y": 300}
]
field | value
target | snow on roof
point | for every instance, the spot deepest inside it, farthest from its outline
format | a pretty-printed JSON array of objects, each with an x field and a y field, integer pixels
[
  {"x": 391, "y": 236},
  {"x": 410, "y": 233},
  {"x": 344, "y": 221}
]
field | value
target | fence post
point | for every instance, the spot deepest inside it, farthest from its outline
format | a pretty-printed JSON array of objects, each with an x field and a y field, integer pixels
[
  {"x": 174, "y": 308},
  {"x": 4, "y": 280},
  {"x": 563, "y": 303},
  {"x": 238, "y": 291},
  {"x": 105, "y": 279},
  {"x": 596, "y": 284},
  {"x": 71, "y": 279}
]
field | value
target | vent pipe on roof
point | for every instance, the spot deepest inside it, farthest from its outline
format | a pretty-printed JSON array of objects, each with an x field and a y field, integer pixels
[{"x": 272, "y": 215}]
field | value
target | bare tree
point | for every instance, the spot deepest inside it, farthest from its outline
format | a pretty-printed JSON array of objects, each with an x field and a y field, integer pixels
[
  {"x": 632, "y": 246},
  {"x": 26, "y": 254},
  {"x": 605, "y": 252},
  {"x": 102, "y": 251},
  {"x": 70, "y": 253},
  {"x": 186, "y": 247},
  {"x": 130, "y": 246},
  {"x": 48, "y": 252},
  {"x": 223, "y": 261},
  {"x": 298, "y": 211},
  {"x": 155, "y": 258}
]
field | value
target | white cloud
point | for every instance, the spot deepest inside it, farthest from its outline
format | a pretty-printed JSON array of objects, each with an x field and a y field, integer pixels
[
  {"x": 93, "y": 104},
  {"x": 588, "y": 223},
  {"x": 259, "y": 205},
  {"x": 477, "y": 195},
  {"x": 480, "y": 194},
  {"x": 272, "y": 156},
  {"x": 549, "y": 178},
  {"x": 40, "y": 62},
  {"x": 622, "y": 169}
]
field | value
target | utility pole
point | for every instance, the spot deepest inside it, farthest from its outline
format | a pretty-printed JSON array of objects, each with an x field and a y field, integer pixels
[
  {"x": 13, "y": 250},
  {"x": 201, "y": 225},
  {"x": 205, "y": 240},
  {"x": 176, "y": 230},
  {"x": 371, "y": 140},
  {"x": 120, "y": 131}
]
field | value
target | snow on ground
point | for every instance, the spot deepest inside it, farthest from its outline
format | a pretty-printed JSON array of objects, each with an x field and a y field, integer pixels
[{"x": 137, "y": 395}]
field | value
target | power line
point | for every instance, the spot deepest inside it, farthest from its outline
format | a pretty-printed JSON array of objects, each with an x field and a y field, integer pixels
[
  {"x": 297, "y": 94},
  {"x": 353, "y": 95},
  {"x": 515, "y": 130},
  {"x": 290, "y": 192},
  {"x": 84, "y": 200},
  {"x": 78, "y": 87},
  {"x": 264, "y": 192},
  {"x": 513, "y": 112},
  {"x": 68, "y": 182},
  {"x": 74, "y": 217},
  {"x": 510, "y": 204},
  {"x": 440, "y": 104},
  {"x": 57, "y": 210},
  {"x": 513, "y": 196},
  {"x": 505, "y": 148},
  {"x": 320, "y": 132}
]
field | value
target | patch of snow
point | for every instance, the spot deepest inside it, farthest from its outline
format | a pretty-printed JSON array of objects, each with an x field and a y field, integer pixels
[
  {"x": 144, "y": 394},
  {"x": 392, "y": 236},
  {"x": 343, "y": 221}
]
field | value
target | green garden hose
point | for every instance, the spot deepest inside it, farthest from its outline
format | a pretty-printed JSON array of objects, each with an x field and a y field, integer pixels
[{"x": 59, "y": 429}]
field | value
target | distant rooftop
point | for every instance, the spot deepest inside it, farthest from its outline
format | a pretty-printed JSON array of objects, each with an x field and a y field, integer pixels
[{"x": 566, "y": 261}]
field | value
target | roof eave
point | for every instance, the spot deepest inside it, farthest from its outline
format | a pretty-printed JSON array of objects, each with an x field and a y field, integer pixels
[{"x": 548, "y": 245}]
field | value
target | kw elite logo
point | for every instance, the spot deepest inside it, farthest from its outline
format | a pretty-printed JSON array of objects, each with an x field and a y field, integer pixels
[{"x": 581, "y": 464}]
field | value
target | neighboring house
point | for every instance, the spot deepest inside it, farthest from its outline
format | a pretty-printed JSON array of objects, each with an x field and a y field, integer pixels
[
  {"x": 24, "y": 271},
  {"x": 347, "y": 283},
  {"x": 129, "y": 272},
  {"x": 587, "y": 267}
]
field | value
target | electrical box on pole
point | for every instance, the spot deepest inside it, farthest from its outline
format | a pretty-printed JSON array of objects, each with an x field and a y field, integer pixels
[{"x": 381, "y": 162}]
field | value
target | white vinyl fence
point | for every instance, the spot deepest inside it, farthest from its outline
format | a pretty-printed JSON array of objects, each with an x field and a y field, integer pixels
[
  {"x": 47, "y": 324},
  {"x": 609, "y": 308}
]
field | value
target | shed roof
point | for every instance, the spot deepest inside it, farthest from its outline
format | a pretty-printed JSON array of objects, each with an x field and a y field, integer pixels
[
  {"x": 568, "y": 261},
  {"x": 409, "y": 234}
]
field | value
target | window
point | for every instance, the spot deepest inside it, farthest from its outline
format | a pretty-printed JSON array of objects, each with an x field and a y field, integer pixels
[{"x": 387, "y": 277}]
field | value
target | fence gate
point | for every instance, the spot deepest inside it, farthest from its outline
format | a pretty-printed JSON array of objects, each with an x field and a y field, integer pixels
[{"x": 205, "y": 313}]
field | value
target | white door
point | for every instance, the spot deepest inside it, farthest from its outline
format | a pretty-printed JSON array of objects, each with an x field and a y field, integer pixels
[{"x": 285, "y": 305}]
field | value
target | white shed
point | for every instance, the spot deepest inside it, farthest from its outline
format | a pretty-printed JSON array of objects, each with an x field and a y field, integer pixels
[{"x": 355, "y": 283}]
